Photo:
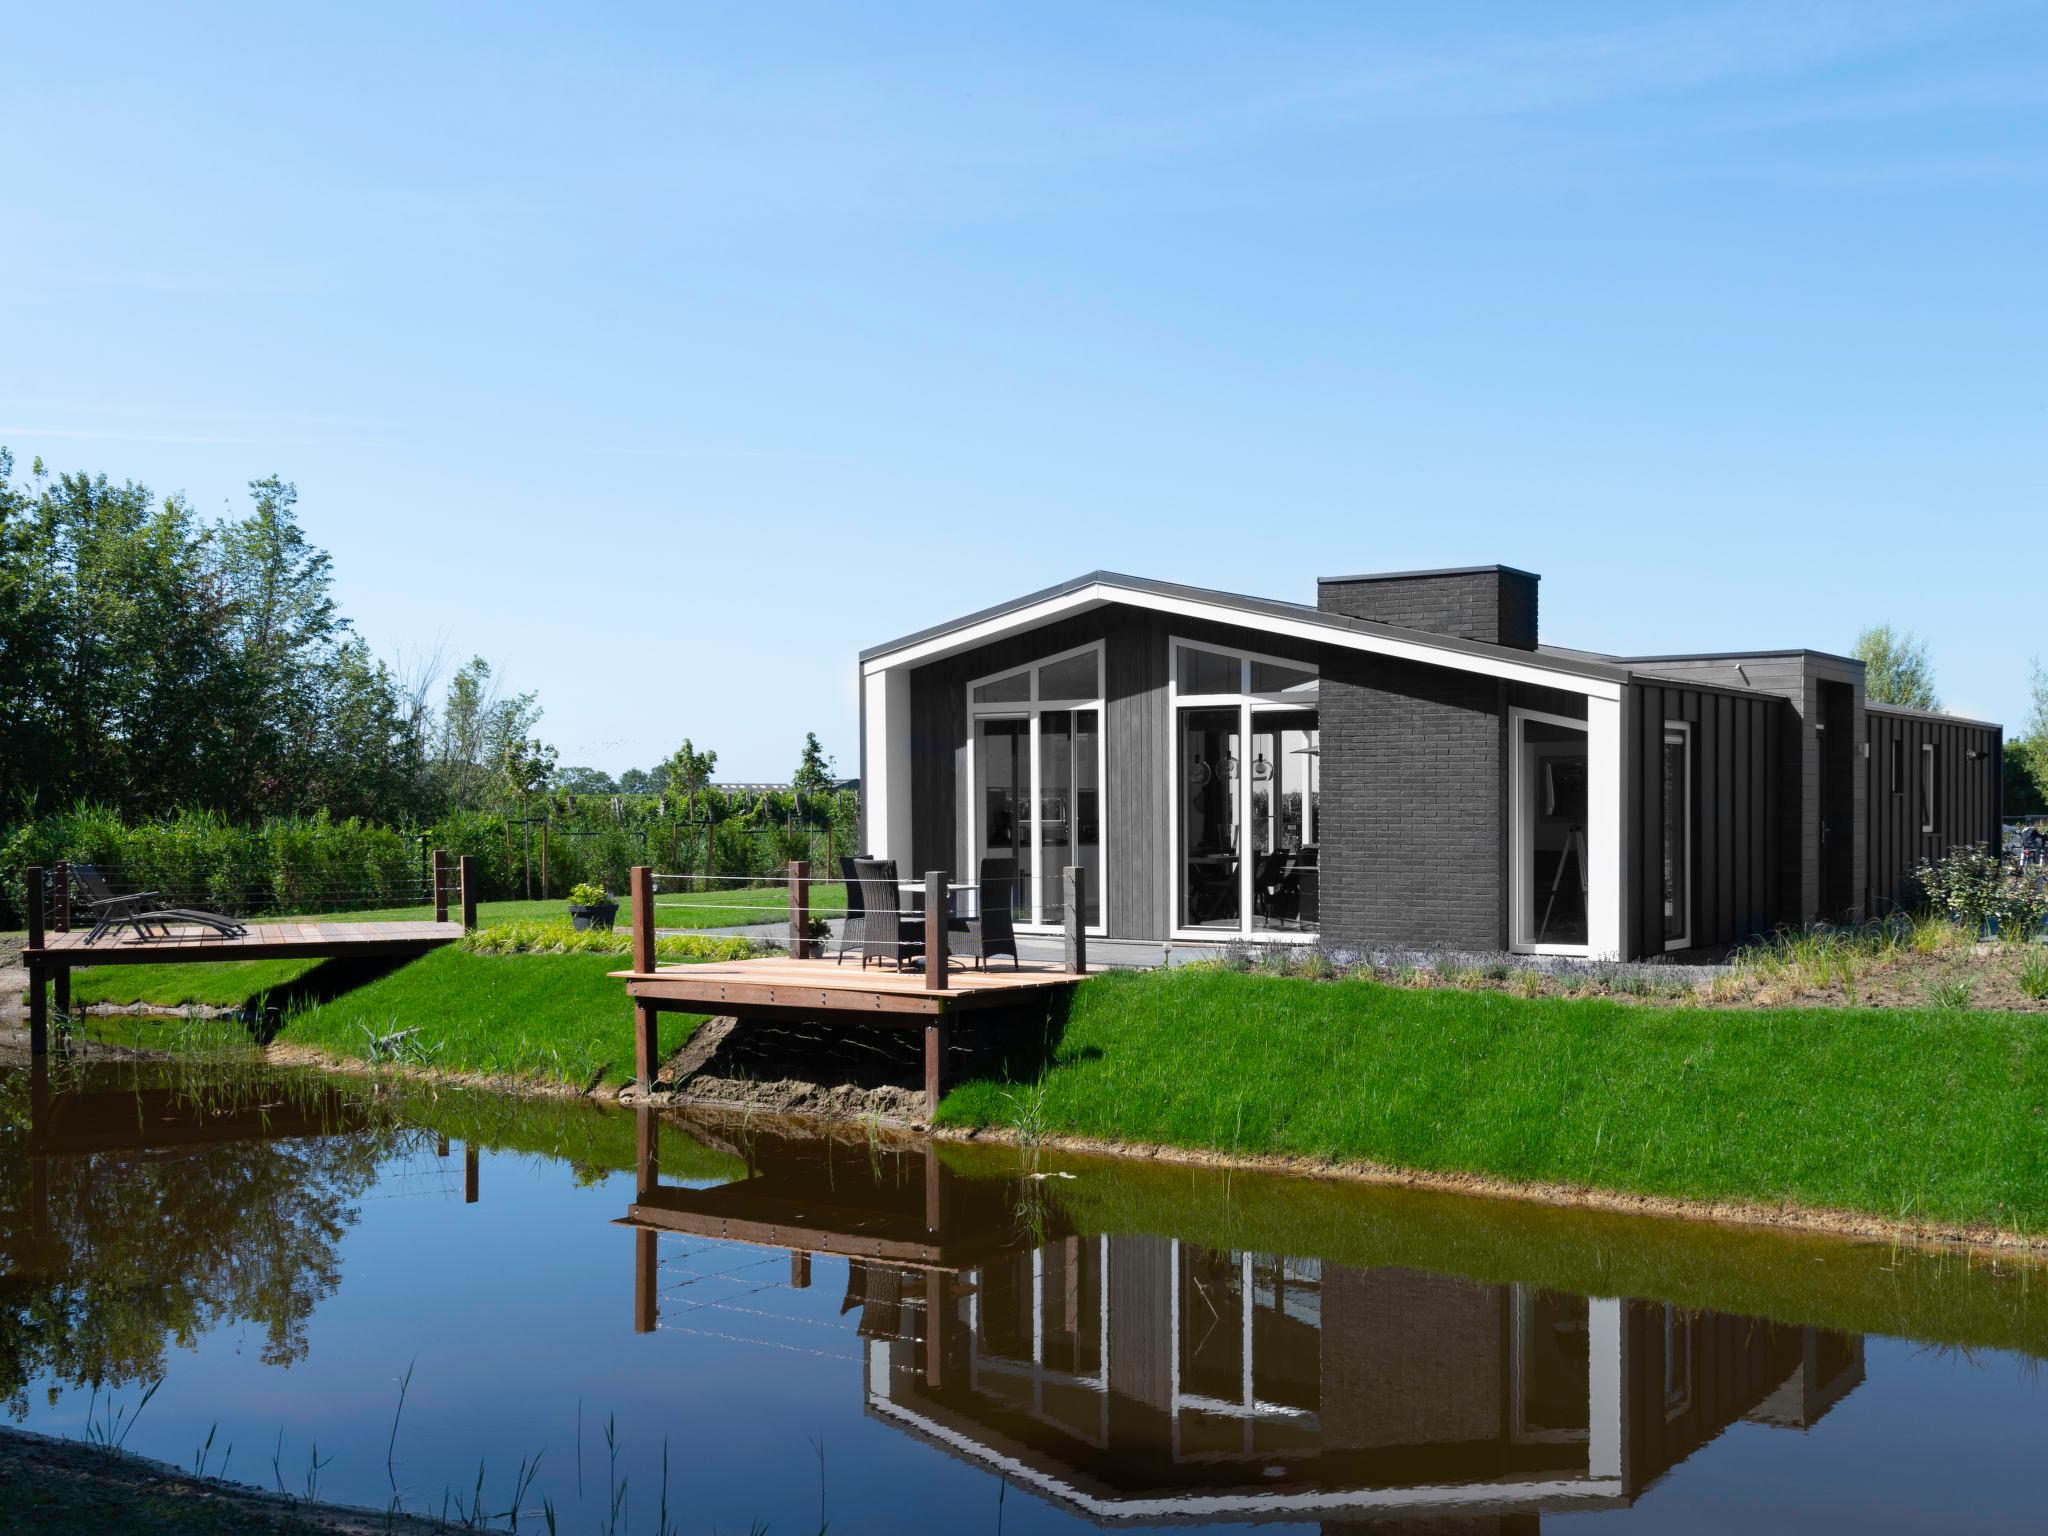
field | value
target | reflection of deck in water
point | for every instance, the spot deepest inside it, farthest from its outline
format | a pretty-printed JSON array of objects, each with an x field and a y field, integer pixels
[{"x": 1138, "y": 1378}]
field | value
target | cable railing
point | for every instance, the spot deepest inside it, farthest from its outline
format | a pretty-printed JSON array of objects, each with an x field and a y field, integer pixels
[
  {"x": 68, "y": 894},
  {"x": 924, "y": 922}
]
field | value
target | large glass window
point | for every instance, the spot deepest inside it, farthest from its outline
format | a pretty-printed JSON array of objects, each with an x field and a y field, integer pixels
[
  {"x": 1037, "y": 801},
  {"x": 1247, "y": 754},
  {"x": 1551, "y": 874}
]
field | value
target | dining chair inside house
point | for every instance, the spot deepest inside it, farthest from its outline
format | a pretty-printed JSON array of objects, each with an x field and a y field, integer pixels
[{"x": 1266, "y": 877}]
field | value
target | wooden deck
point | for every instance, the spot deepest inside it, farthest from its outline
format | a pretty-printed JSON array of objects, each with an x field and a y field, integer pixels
[
  {"x": 827, "y": 986},
  {"x": 263, "y": 941}
]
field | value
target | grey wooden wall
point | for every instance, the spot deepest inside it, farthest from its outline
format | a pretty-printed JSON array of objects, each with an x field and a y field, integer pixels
[
  {"x": 1969, "y": 796},
  {"x": 1741, "y": 744}
]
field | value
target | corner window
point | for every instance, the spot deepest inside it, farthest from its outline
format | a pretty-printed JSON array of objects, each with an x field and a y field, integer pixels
[
  {"x": 1035, "y": 736},
  {"x": 1927, "y": 788},
  {"x": 1245, "y": 780}
]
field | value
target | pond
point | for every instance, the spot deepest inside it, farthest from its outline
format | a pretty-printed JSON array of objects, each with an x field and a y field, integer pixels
[{"x": 392, "y": 1294}]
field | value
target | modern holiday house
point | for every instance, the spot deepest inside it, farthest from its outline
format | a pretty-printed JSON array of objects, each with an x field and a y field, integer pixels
[{"x": 1402, "y": 763}]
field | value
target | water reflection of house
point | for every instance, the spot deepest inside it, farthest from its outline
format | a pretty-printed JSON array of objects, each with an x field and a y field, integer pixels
[{"x": 1138, "y": 1378}]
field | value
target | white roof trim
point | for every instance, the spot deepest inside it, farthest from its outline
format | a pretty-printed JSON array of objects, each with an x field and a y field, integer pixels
[{"x": 1097, "y": 594}]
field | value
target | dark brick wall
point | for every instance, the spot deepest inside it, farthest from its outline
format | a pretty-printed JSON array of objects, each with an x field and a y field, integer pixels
[
  {"x": 1492, "y": 603},
  {"x": 1413, "y": 804}
]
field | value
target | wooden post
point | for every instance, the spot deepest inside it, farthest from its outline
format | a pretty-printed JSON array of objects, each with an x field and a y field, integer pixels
[
  {"x": 710, "y": 843},
  {"x": 936, "y": 1038},
  {"x": 646, "y": 1151},
  {"x": 799, "y": 909},
  {"x": 440, "y": 885},
  {"x": 799, "y": 1270},
  {"x": 60, "y": 903},
  {"x": 1077, "y": 919},
  {"x": 934, "y": 1192},
  {"x": 646, "y": 1018},
  {"x": 646, "y": 1272},
  {"x": 441, "y": 1145},
  {"x": 38, "y": 1001},
  {"x": 938, "y": 906},
  {"x": 465, "y": 870},
  {"x": 647, "y": 1179},
  {"x": 469, "y": 1173}
]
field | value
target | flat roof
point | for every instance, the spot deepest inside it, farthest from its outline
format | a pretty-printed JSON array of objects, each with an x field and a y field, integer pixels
[
  {"x": 1441, "y": 570},
  {"x": 1941, "y": 716}
]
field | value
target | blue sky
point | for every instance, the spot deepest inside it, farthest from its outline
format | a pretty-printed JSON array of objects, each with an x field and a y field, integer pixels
[{"x": 667, "y": 355}]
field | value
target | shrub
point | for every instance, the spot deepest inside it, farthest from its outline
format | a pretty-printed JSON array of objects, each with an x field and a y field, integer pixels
[
  {"x": 558, "y": 936},
  {"x": 1950, "y": 994},
  {"x": 588, "y": 895},
  {"x": 2034, "y": 976},
  {"x": 1968, "y": 885}
]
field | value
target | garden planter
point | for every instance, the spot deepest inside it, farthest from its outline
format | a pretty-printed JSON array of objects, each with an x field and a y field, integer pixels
[{"x": 597, "y": 915}]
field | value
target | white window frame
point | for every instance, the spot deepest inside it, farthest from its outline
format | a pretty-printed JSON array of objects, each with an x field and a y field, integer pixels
[
  {"x": 1244, "y": 701},
  {"x": 1521, "y": 907},
  {"x": 1684, "y": 727},
  {"x": 1029, "y": 708},
  {"x": 1929, "y": 814}
]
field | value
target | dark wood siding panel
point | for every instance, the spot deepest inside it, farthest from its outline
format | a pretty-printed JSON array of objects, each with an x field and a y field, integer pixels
[
  {"x": 1736, "y": 844},
  {"x": 1968, "y": 792}
]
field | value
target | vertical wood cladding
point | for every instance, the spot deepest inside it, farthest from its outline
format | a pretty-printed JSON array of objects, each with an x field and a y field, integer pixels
[
  {"x": 1739, "y": 748},
  {"x": 1968, "y": 802}
]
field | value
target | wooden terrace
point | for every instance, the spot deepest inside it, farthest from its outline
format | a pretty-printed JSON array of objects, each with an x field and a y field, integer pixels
[
  {"x": 804, "y": 985},
  {"x": 56, "y": 946}
]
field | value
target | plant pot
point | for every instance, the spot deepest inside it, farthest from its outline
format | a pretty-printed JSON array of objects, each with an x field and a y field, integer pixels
[{"x": 597, "y": 915}]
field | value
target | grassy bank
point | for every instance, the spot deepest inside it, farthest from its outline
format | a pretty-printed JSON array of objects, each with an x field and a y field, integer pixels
[
  {"x": 549, "y": 1018},
  {"x": 1910, "y": 1115},
  {"x": 1913, "y": 1115}
]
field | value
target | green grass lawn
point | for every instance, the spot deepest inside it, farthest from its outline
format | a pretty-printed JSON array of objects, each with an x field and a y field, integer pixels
[{"x": 1901, "y": 1113}]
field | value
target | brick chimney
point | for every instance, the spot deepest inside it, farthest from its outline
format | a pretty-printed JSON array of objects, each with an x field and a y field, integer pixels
[{"x": 1493, "y": 603}]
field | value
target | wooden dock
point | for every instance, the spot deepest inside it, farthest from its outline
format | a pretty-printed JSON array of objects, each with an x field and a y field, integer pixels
[
  {"x": 53, "y": 953},
  {"x": 804, "y": 985}
]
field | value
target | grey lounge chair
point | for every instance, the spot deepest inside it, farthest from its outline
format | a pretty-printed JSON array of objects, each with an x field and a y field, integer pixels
[
  {"x": 993, "y": 929},
  {"x": 888, "y": 933},
  {"x": 143, "y": 911}
]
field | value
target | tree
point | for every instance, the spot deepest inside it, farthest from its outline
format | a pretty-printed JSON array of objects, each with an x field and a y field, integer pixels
[
  {"x": 814, "y": 769},
  {"x": 526, "y": 768},
  {"x": 585, "y": 781},
  {"x": 478, "y": 728},
  {"x": 639, "y": 781},
  {"x": 687, "y": 774},
  {"x": 2033, "y": 742},
  {"x": 2023, "y": 791},
  {"x": 1896, "y": 669}
]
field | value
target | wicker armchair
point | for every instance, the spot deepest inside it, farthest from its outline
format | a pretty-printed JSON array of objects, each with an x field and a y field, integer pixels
[
  {"x": 888, "y": 933},
  {"x": 993, "y": 930}
]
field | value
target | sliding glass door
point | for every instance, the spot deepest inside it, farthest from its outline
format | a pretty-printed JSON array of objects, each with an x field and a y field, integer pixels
[
  {"x": 1036, "y": 742},
  {"x": 1246, "y": 754}
]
